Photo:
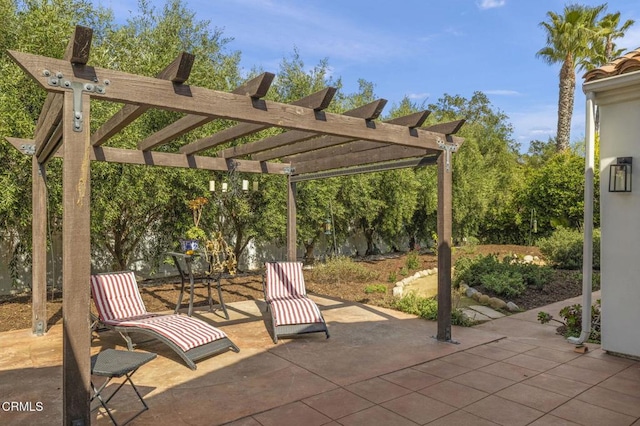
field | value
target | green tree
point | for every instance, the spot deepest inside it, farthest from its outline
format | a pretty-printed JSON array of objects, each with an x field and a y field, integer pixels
[
  {"x": 485, "y": 168},
  {"x": 609, "y": 29},
  {"x": 556, "y": 192},
  {"x": 570, "y": 38},
  {"x": 41, "y": 28},
  {"x": 140, "y": 212}
]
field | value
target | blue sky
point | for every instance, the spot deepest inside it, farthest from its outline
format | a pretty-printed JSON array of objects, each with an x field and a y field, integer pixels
[{"x": 421, "y": 48}]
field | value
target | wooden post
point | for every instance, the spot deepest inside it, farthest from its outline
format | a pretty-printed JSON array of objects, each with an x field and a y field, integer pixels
[
  {"x": 444, "y": 246},
  {"x": 291, "y": 220},
  {"x": 39, "y": 247},
  {"x": 76, "y": 264}
]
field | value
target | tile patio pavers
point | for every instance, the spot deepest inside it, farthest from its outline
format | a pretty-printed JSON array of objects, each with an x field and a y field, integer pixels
[
  {"x": 531, "y": 396},
  {"x": 337, "y": 403},
  {"x": 419, "y": 408},
  {"x": 380, "y": 367},
  {"x": 503, "y": 411},
  {"x": 590, "y": 415},
  {"x": 453, "y": 393}
]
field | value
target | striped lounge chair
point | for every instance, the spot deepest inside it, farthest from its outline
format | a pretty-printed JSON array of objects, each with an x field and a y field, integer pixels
[
  {"x": 120, "y": 307},
  {"x": 292, "y": 312}
]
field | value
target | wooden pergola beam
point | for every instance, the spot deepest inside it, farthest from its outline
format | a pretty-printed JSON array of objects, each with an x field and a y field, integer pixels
[
  {"x": 347, "y": 148},
  {"x": 370, "y": 111},
  {"x": 367, "y": 168},
  {"x": 77, "y": 53},
  {"x": 129, "y": 88},
  {"x": 177, "y": 71},
  {"x": 371, "y": 156},
  {"x": 408, "y": 121},
  {"x": 356, "y": 146},
  {"x": 444, "y": 229},
  {"x": 316, "y": 102},
  {"x": 448, "y": 128},
  {"x": 255, "y": 88},
  {"x": 166, "y": 159}
]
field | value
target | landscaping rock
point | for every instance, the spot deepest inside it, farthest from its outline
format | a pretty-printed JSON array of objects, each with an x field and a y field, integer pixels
[
  {"x": 464, "y": 287},
  {"x": 528, "y": 259},
  {"x": 397, "y": 291},
  {"x": 496, "y": 303},
  {"x": 512, "y": 307},
  {"x": 476, "y": 296},
  {"x": 484, "y": 299},
  {"x": 470, "y": 292}
]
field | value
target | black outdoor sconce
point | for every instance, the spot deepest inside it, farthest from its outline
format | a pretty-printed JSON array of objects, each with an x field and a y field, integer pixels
[{"x": 620, "y": 175}]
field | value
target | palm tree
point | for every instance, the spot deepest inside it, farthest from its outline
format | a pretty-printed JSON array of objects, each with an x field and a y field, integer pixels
[
  {"x": 610, "y": 31},
  {"x": 570, "y": 40}
]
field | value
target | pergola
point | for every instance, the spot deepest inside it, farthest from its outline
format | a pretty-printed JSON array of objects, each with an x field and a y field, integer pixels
[{"x": 314, "y": 144}]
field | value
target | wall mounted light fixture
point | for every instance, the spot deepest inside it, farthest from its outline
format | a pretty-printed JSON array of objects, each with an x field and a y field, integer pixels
[{"x": 620, "y": 175}]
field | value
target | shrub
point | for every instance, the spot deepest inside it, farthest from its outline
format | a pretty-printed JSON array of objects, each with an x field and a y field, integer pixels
[
  {"x": 342, "y": 269},
  {"x": 375, "y": 288},
  {"x": 411, "y": 303},
  {"x": 470, "y": 271},
  {"x": 564, "y": 248},
  {"x": 504, "y": 283},
  {"x": 393, "y": 277},
  {"x": 412, "y": 261},
  {"x": 572, "y": 324},
  {"x": 427, "y": 308},
  {"x": 534, "y": 275},
  {"x": 509, "y": 277}
]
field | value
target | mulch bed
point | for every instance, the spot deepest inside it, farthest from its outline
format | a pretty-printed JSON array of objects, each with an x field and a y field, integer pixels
[{"x": 162, "y": 295}]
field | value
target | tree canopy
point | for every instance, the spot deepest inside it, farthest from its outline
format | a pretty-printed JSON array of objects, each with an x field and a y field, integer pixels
[{"x": 138, "y": 212}]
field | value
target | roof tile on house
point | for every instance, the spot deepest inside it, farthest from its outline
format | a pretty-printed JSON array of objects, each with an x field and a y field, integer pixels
[{"x": 624, "y": 64}]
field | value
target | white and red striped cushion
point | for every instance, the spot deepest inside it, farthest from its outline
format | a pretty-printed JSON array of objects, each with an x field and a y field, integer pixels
[
  {"x": 295, "y": 311},
  {"x": 184, "y": 331},
  {"x": 284, "y": 280},
  {"x": 116, "y": 296},
  {"x": 119, "y": 303},
  {"x": 286, "y": 294}
]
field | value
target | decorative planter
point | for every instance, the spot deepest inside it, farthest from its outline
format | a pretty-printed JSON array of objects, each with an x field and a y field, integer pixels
[{"x": 189, "y": 245}]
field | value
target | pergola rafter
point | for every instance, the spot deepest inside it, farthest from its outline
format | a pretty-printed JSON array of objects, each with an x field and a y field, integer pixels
[
  {"x": 370, "y": 111},
  {"x": 333, "y": 145}
]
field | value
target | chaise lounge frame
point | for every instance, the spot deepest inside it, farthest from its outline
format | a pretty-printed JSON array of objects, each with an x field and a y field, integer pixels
[
  {"x": 290, "y": 295},
  {"x": 189, "y": 356}
]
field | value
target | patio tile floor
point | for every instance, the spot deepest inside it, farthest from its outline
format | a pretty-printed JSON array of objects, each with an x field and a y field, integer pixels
[{"x": 379, "y": 367}]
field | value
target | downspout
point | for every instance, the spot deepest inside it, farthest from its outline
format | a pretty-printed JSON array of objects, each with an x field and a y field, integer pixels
[{"x": 587, "y": 249}]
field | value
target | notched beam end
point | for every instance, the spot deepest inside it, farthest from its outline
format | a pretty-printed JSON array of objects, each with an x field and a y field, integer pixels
[
  {"x": 256, "y": 87},
  {"x": 179, "y": 70},
  {"x": 449, "y": 128},
  {"x": 370, "y": 111},
  {"x": 317, "y": 101},
  {"x": 416, "y": 119},
  {"x": 79, "y": 46}
]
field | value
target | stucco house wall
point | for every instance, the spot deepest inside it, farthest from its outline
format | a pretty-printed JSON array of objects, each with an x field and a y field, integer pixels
[{"x": 618, "y": 100}]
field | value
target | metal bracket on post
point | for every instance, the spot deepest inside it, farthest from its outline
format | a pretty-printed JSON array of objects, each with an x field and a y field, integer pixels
[
  {"x": 28, "y": 148},
  {"x": 58, "y": 80},
  {"x": 448, "y": 149}
]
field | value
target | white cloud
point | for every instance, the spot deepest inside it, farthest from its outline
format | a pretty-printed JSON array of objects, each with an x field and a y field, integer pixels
[
  {"x": 502, "y": 92},
  {"x": 491, "y": 4},
  {"x": 418, "y": 95}
]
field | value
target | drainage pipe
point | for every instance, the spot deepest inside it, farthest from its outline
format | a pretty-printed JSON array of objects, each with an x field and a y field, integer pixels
[{"x": 587, "y": 249}]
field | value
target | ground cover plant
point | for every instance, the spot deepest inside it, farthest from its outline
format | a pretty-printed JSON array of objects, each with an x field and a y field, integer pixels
[{"x": 509, "y": 276}]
